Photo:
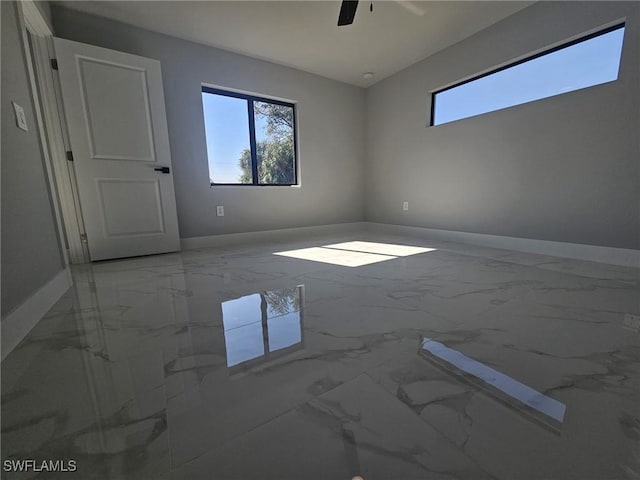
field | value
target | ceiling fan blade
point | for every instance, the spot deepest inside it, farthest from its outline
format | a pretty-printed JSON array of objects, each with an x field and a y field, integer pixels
[{"x": 347, "y": 12}]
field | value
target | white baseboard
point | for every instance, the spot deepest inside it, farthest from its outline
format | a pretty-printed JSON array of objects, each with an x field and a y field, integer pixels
[
  {"x": 17, "y": 324},
  {"x": 594, "y": 253},
  {"x": 268, "y": 235},
  {"x": 614, "y": 256}
]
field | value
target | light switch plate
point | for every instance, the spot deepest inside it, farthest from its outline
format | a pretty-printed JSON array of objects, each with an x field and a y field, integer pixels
[
  {"x": 220, "y": 211},
  {"x": 21, "y": 120}
]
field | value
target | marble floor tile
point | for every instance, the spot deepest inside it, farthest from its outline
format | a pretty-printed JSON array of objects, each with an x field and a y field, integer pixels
[{"x": 239, "y": 363}]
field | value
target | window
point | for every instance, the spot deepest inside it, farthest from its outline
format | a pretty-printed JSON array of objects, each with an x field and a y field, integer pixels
[
  {"x": 582, "y": 63},
  {"x": 250, "y": 140}
]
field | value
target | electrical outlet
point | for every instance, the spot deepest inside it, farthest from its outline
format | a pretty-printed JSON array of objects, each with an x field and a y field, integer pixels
[
  {"x": 405, "y": 206},
  {"x": 21, "y": 120},
  {"x": 220, "y": 211}
]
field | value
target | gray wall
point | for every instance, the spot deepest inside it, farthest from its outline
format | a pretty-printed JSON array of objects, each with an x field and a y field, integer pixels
[
  {"x": 45, "y": 9},
  {"x": 331, "y": 131},
  {"x": 30, "y": 251},
  {"x": 564, "y": 168}
]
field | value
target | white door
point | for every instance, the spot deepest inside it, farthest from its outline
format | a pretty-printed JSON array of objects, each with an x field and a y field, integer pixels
[{"x": 114, "y": 106}]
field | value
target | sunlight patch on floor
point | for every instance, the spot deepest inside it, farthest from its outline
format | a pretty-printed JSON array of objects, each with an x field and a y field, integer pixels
[
  {"x": 380, "y": 248},
  {"x": 354, "y": 254},
  {"x": 344, "y": 258}
]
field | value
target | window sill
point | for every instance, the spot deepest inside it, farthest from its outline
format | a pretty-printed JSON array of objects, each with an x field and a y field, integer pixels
[{"x": 231, "y": 185}]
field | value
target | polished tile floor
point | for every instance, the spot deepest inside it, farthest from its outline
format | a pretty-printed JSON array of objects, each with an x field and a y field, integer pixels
[{"x": 387, "y": 357}]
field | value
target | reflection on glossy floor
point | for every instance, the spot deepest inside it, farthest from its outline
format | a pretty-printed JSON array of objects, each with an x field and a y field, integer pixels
[{"x": 333, "y": 358}]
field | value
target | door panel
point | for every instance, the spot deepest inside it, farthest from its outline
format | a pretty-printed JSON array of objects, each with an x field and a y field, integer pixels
[
  {"x": 114, "y": 104},
  {"x": 131, "y": 207}
]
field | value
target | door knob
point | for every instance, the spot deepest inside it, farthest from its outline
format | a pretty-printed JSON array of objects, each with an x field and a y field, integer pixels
[{"x": 162, "y": 169}]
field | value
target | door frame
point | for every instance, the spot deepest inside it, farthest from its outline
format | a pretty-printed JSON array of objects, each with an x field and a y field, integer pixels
[{"x": 55, "y": 138}]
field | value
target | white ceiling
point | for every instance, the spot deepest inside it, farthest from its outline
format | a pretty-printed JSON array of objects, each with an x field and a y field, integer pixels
[{"x": 304, "y": 34}]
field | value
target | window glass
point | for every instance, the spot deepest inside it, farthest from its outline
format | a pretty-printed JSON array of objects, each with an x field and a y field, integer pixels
[
  {"x": 226, "y": 121},
  {"x": 274, "y": 143},
  {"x": 582, "y": 64}
]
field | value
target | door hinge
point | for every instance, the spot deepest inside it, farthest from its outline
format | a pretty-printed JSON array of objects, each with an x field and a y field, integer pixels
[
  {"x": 70, "y": 155},
  {"x": 54, "y": 63}
]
